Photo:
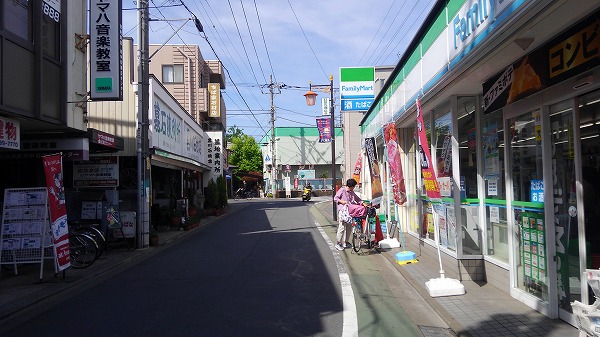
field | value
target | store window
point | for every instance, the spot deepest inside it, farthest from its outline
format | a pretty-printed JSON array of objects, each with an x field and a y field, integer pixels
[
  {"x": 442, "y": 144},
  {"x": 492, "y": 137},
  {"x": 469, "y": 201},
  {"x": 527, "y": 205},
  {"x": 172, "y": 73},
  {"x": 412, "y": 181},
  {"x": 17, "y": 18}
]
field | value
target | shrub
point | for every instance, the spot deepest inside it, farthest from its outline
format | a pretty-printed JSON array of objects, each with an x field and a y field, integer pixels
[{"x": 221, "y": 192}]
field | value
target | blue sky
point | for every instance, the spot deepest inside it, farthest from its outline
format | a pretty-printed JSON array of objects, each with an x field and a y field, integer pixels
[{"x": 295, "y": 41}]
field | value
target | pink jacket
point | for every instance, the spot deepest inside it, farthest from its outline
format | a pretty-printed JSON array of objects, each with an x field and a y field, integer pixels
[{"x": 346, "y": 195}]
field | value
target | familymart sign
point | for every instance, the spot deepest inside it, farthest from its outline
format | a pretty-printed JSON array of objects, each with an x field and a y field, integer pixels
[{"x": 357, "y": 88}]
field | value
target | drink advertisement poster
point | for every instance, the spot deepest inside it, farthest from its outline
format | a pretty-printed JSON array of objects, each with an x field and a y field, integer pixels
[
  {"x": 393, "y": 159},
  {"x": 376, "y": 188},
  {"x": 431, "y": 185},
  {"x": 58, "y": 209}
]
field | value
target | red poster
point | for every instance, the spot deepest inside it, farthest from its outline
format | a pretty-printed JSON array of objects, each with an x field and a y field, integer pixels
[
  {"x": 431, "y": 185},
  {"x": 357, "y": 169},
  {"x": 324, "y": 127},
  {"x": 58, "y": 209},
  {"x": 393, "y": 159}
]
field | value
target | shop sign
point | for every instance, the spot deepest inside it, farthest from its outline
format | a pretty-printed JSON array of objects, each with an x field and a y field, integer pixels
[
  {"x": 357, "y": 88},
  {"x": 569, "y": 54},
  {"x": 99, "y": 171},
  {"x": 214, "y": 153},
  {"x": 166, "y": 127},
  {"x": 537, "y": 191},
  {"x": 10, "y": 134},
  {"x": 71, "y": 148},
  {"x": 214, "y": 100},
  {"x": 106, "y": 50},
  {"x": 51, "y": 8}
]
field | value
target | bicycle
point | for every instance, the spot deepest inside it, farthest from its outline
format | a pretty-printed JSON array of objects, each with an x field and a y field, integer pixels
[
  {"x": 84, "y": 250},
  {"x": 361, "y": 231}
]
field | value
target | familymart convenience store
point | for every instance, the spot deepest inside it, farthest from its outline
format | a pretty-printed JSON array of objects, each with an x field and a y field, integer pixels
[{"x": 512, "y": 113}]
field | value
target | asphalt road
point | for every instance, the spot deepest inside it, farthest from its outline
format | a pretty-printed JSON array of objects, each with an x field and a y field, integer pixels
[{"x": 265, "y": 270}]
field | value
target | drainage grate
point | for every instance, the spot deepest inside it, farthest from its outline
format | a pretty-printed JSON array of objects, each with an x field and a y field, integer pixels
[{"x": 432, "y": 331}]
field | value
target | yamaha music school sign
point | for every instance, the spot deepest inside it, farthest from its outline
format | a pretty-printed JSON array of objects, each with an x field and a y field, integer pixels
[{"x": 106, "y": 50}]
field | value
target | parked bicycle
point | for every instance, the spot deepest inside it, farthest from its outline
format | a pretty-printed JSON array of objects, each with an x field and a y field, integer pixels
[
  {"x": 86, "y": 243},
  {"x": 361, "y": 230}
]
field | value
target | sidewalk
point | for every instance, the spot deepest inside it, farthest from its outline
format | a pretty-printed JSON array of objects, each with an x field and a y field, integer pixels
[{"x": 483, "y": 311}]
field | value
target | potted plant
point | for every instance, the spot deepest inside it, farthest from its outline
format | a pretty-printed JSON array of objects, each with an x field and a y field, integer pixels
[
  {"x": 175, "y": 218},
  {"x": 154, "y": 239}
]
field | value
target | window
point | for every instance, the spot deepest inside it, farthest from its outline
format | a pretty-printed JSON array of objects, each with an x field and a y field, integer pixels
[
  {"x": 50, "y": 37},
  {"x": 17, "y": 17},
  {"x": 172, "y": 73},
  {"x": 492, "y": 136}
]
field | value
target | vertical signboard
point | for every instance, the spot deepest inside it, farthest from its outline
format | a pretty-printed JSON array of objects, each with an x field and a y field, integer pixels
[
  {"x": 324, "y": 127},
  {"x": 106, "y": 50},
  {"x": 357, "y": 88},
  {"x": 214, "y": 153},
  {"x": 214, "y": 100},
  {"x": 431, "y": 185},
  {"x": 58, "y": 209},
  {"x": 393, "y": 159},
  {"x": 376, "y": 188}
]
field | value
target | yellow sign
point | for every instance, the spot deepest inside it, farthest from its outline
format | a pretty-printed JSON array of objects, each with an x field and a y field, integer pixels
[
  {"x": 214, "y": 100},
  {"x": 575, "y": 50}
]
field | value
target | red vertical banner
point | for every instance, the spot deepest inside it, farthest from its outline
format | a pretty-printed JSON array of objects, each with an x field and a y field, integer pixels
[
  {"x": 357, "y": 169},
  {"x": 393, "y": 159},
  {"x": 58, "y": 209},
  {"x": 376, "y": 188},
  {"x": 431, "y": 185},
  {"x": 324, "y": 127}
]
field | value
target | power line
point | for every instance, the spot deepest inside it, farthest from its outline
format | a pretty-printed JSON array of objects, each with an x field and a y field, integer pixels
[
  {"x": 307, "y": 41},
  {"x": 252, "y": 39},
  {"x": 264, "y": 41}
]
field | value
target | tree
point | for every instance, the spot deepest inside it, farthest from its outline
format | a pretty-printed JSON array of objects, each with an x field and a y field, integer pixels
[
  {"x": 246, "y": 154},
  {"x": 233, "y": 132}
]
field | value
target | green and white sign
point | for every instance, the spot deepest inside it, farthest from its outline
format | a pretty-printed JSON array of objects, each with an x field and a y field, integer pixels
[{"x": 357, "y": 88}]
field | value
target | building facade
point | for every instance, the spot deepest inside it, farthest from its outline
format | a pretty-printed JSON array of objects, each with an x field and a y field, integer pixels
[
  {"x": 509, "y": 94},
  {"x": 301, "y": 158}
]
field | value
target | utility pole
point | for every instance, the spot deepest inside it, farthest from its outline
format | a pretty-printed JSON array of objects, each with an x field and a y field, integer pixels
[
  {"x": 143, "y": 228},
  {"x": 272, "y": 86}
]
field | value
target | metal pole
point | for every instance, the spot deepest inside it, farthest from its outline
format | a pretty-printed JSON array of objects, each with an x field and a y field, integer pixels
[
  {"x": 332, "y": 107},
  {"x": 273, "y": 160},
  {"x": 142, "y": 230}
]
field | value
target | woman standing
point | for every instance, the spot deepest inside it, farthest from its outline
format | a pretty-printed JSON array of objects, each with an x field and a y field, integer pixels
[{"x": 345, "y": 196}]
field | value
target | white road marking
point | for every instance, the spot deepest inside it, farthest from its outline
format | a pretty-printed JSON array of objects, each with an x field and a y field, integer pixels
[{"x": 350, "y": 324}]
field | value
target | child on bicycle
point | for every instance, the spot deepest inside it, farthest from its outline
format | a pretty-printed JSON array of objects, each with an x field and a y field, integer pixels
[{"x": 345, "y": 196}]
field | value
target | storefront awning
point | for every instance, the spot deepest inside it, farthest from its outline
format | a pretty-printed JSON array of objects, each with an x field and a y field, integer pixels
[{"x": 178, "y": 161}]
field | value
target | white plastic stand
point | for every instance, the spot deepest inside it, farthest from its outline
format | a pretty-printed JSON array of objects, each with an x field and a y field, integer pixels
[{"x": 442, "y": 286}]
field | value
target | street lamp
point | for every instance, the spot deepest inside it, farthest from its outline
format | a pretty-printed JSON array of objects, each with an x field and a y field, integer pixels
[{"x": 310, "y": 101}]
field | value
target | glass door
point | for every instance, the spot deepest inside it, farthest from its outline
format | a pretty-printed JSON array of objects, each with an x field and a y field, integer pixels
[{"x": 527, "y": 204}]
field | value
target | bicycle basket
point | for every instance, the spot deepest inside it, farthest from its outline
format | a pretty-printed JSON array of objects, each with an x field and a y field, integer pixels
[{"x": 371, "y": 213}]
